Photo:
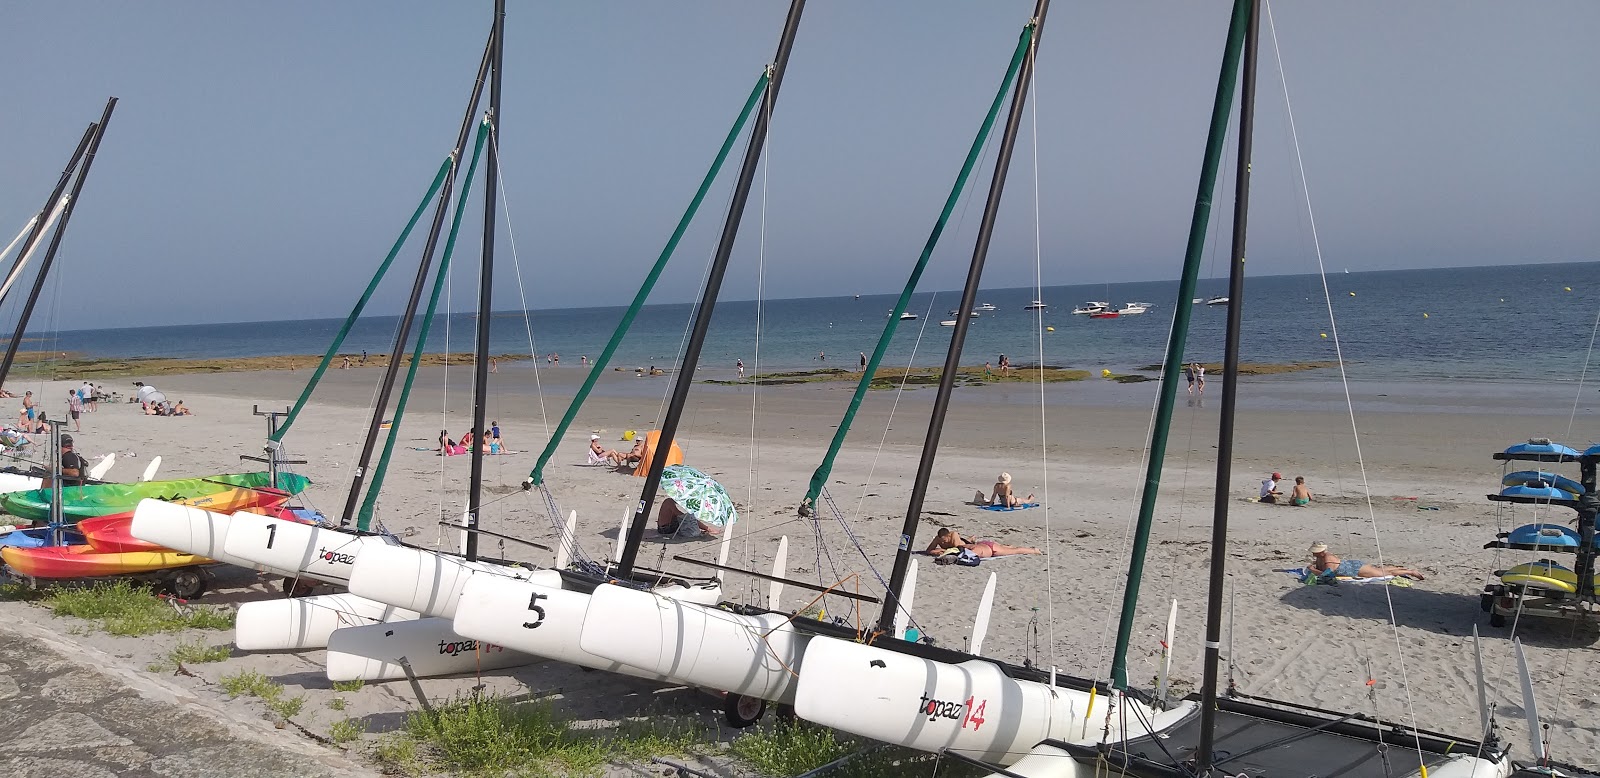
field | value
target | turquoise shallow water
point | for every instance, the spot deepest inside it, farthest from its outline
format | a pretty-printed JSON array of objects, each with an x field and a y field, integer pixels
[{"x": 1489, "y": 323}]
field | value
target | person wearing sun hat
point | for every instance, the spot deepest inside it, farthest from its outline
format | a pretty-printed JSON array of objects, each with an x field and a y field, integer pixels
[
  {"x": 1003, "y": 496},
  {"x": 1325, "y": 565},
  {"x": 599, "y": 453},
  {"x": 1269, "y": 488}
]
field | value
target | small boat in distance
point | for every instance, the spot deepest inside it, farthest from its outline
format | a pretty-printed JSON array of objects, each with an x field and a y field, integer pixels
[
  {"x": 948, "y": 323},
  {"x": 1132, "y": 309},
  {"x": 1223, "y": 300},
  {"x": 907, "y": 316},
  {"x": 1197, "y": 300},
  {"x": 986, "y": 307},
  {"x": 1105, "y": 315},
  {"x": 973, "y": 314},
  {"x": 1092, "y": 306},
  {"x": 1035, "y": 306}
]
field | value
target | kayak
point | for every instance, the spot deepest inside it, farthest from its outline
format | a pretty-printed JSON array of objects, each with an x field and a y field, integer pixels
[
  {"x": 86, "y": 562},
  {"x": 85, "y": 502},
  {"x": 114, "y": 532}
]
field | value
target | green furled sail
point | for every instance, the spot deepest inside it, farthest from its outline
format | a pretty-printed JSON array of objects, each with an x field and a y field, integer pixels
[
  {"x": 536, "y": 477},
  {"x": 361, "y": 304},
  {"x": 1215, "y": 139},
  {"x": 819, "y": 478},
  {"x": 364, "y": 518}
]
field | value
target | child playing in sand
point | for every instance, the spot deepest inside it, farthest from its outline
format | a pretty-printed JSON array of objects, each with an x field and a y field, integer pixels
[
  {"x": 948, "y": 539},
  {"x": 1003, "y": 496},
  {"x": 1325, "y": 565},
  {"x": 1269, "y": 488},
  {"x": 1300, "y": 496}
]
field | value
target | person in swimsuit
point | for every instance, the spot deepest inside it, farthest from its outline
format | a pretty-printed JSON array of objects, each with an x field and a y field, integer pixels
[
  {"x": 1300, "y": 496},
  {"x": 613, "y": 457},
  {"x": 1325, "y": 565},
  {"x": 1003, "y": 496},
  {"x": 1188, "y": 372},
  {"x": 949, "y": 539}
]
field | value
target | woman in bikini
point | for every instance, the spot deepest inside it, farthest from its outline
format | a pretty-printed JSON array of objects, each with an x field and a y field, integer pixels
[
  {"x": 1325, "y": 565},
  {"x": 948, "y": 539},
  {"x": 1003, "y": 496}
]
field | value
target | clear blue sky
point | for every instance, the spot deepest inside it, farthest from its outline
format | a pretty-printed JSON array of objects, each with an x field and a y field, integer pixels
[{"x": 264, "y": 155}]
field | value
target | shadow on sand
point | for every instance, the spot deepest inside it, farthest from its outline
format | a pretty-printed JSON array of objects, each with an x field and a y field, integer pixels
[{"x": 1445, "y": 613}]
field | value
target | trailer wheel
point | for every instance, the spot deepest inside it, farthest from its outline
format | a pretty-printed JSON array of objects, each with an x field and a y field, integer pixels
[
  {"x": 742, "y": 711},
  {"x": 1486, "y": 602},
  {"x": 1497, "y": 619},
  {"x": 185, "y": 584}
]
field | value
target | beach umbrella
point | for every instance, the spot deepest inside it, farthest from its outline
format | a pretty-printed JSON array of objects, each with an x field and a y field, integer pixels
[
  {"x": 148, "y": 393},
  {"x": 699, "y": 495}
]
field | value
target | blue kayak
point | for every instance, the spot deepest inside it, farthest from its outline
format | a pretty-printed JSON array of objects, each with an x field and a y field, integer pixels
[
  {"x": 1538, "y": 449},
  {"x": 1537, "y": 493},
  {"x": 35, "y": 537},
  {"x": 1549, "y": 535},
  {"x": 1541, "y": 478}
]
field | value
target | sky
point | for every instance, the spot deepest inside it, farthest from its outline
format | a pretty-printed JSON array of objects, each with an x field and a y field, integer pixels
[{"x": 264, "y": 155}]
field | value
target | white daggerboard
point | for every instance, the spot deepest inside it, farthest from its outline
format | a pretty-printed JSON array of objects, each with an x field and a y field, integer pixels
[
  {"x": 780, "y": 565},
  {"x": 908, "y": 595},
  {"x": 980, "y": 625},
  {"x": 98, "y": 472},
  {"x": 424, "y": 647},
  {"x": 300, "y": 623},
  {"x": 150, "y": 469},
  {"x": 1530, "y": 704}
]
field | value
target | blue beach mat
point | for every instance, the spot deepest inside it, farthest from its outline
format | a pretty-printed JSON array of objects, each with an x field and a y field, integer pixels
[
  {"x": 1306, "y": 577},
  {"x": 1021, "y": 507}
]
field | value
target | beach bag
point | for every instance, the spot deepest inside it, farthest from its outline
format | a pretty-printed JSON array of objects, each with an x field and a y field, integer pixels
[{"x": 968, "y": 558}]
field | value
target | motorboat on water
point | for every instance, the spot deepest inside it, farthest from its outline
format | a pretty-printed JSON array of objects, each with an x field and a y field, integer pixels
[
  {"x": 1091, "y": 307},
  {"x": 1035, "y": 306},
  {"x": 986, "y": 307},
  {"x": 948, "y": 323},
  {"x": 1132, "y": 309},
  {"x": 907, "y": 316},
  {"x": 1222, "y": 300}
]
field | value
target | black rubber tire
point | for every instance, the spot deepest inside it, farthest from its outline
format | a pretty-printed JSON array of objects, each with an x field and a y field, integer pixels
[
  {"x": 1497, "y": 619},
  {"x": 185, "y": 584},
  {"x": 297, "y": 587},
  {"x": 741, "y": 711},
  {"x": 785, "y": 714},
  {"x": 1486, "y": 602}
]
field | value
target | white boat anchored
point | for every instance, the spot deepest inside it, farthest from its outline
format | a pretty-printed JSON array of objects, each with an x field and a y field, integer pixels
[
  {"x": 1134, "y": 309},
  {"x": 1219, "y": 300},
  {"x": 1035, "y": 306},
  {"x": 1093, "y": 306},
  {"x": 986, "y": 307},
  {"x": 908, "y": 316}
]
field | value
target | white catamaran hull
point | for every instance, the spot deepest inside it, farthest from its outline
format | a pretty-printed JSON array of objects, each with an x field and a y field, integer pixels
[
  {"x": 546, "y": 621},
  {"x": 972, "y": 707},
  {"x": 193, "y": 531},
  {"x": 690, "y": 642},
  {"x": 427, "y": 582},
  {"x": 299, "y": 623},
  {"x": 323, "y": 553},
  {"x": 421, "y": 648},
  {"x": 12, "y": 482}
]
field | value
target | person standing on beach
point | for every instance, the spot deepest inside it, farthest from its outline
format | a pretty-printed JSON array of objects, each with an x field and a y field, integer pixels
[
  {"x": 863, "y": 362},
  {"x": 27, "y": 407},
  {"x": 583, "y": 360},
  {"x": 1188, "y": 372},
  {"x": 363, "y": 356},
  {"x": 1200, "y": 376},
  {"x": 740, "y": 364},
  {"x": 346, "y": 365},
  {"x": 494, "y": 365},
  {"x": 74, "y": 409}
]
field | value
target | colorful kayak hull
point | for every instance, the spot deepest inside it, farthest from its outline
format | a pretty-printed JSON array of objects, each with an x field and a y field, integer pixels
[
  {"x": 57, "y": 562},
  {"x": 85, "y": 502}
]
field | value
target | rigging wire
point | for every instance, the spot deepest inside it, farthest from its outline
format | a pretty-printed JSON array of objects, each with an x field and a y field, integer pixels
[
  {"x": 1038, "y": 318},
  {"x": 752, "y": 470},
  {"x": 522, "y": 295},
  {"x": 1344, "y": 379}
]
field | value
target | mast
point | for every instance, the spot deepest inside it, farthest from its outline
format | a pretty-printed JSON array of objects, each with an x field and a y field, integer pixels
[
  {"x": 480, "y": 371},
  {"x": 93, "y": 136},
  {"x": 969, "y": 297},
  {"x": 1183, "y": 310},
  {"x": 40, "y": 222},
  {"x": 393, "y": 368},
  {"x": 1230, "y": 398},
  {"x": 708, "y": 299}
]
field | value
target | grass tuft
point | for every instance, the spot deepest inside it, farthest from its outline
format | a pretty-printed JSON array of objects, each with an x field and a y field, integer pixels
[
  {"x": 336, "y": 703},
  {"x": 794, "y": 748},
  {"x": 349, "y": 686},
  {"x": 124, "y": 608},
  {"x": 250, "y": 683},
  {"x": 347, "y": 731},
  {"x": 198, "y": 653},
  {"x": 396, "y": 753},
  {"x": 19, "y": 592}
]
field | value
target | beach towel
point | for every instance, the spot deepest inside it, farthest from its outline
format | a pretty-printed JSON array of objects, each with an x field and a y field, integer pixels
[
  {"x": 1306, "y": 577},
  {"x": 1021, "y": 507}
]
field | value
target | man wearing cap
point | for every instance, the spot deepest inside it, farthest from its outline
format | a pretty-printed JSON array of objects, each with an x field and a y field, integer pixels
[
  {"x": 73, "y": 467},
  {"x": 1269, "y": 488}
]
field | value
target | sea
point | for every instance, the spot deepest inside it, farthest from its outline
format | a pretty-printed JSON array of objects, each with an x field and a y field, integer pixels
[{"x": 1507, "y": 323}]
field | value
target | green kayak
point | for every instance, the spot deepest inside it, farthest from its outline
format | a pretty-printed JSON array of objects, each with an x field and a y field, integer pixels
[{"x": 85, "y": 502}]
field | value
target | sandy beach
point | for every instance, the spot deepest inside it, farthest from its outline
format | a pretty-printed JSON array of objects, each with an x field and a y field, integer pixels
[{"x": 1427, "y": 469}]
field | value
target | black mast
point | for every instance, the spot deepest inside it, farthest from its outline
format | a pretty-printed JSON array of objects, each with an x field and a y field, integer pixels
[
  {"x": 55, "y": 197},
  {"x": 708, "y": 299},
  {"x": 393, "y": 369},
  {"x": 1230, "y": 397},
  {"x": 969, "y": 298},
  {"x": 95, "y": 133},
  {"x": 480, "y": 371}
]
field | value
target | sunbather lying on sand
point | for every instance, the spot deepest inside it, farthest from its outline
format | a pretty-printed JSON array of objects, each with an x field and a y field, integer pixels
[
  {"x": 948, "y": 539},
  {"x": 1324, "y": 563}
]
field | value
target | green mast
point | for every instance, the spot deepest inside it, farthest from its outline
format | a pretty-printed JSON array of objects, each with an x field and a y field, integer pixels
[
  {"x": 1215, "y": 139},
  {"x": 536, "y": 477},
  {"x": 819, "y": 478}
]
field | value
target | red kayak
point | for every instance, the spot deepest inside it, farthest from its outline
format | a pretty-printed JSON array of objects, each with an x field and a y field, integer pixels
[
  {"x": 111, "y": 534},
  {"x": 86, "y": 562}
]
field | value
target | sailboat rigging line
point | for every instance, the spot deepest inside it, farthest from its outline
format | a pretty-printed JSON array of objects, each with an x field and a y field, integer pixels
[
  {"x": 1584, "y": 375},
  {"x": 480, "y": 371},
  {"x": 1344, "y": 380},
  {"x": 39, "y": 225},
  {"x": 512, "y": 538},
  {"x": 96, "y": 132},
  {"x": 969, "y": 297},
  {"x": 819, "y": 478},
  {"x": 375, "y": 486},
  {"x": 392, "y": 369},
  {"x": 23, "y": 256},
  {"x": 536, "y": 477},
  {"x": 708, "y": 301},
  {"x": 752, "y": 469},
  {"x": 765, "y": 577},
  {"x": 1038, "y": 320},
  {"x": 1230, "y": 392},
  {"x": 522, "y": 295},
  {"x": 1221, "y": 108}
]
